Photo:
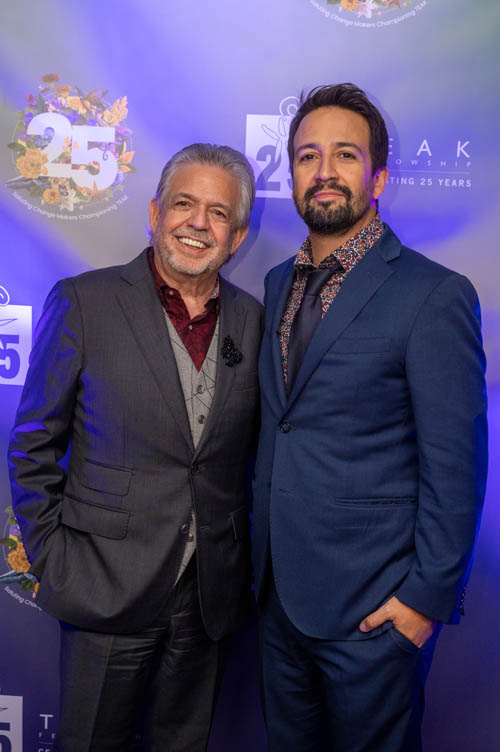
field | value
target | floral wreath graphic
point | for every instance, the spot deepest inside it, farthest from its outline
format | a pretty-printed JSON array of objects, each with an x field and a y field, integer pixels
[
  {"x": 367, "y": 8},
  {"x": 71, "y": 149},
  {"x": 15, "y": 557}
]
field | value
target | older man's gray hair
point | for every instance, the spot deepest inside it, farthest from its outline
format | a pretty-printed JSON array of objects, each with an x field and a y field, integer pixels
[{"x": 235, "y": 163}]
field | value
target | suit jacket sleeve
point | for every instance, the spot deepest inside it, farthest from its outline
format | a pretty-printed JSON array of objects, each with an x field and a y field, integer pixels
[
  {"x": 42, "y": 430},
  {"x": 445, "y": 370}
]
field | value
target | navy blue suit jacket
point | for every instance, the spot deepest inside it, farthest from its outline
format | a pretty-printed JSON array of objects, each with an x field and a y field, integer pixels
[{"x": 370, "y": 478}]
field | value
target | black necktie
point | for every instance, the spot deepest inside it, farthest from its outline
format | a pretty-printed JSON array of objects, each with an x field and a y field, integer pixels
[{"x": 306, "y": 320}]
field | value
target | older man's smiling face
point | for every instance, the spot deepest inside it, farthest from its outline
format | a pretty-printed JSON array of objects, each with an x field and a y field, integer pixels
[{"x": 193, "y": 230}]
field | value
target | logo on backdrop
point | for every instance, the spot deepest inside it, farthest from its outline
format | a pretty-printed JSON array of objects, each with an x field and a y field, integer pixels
[
  {"x": 11, "y": 723},
  {"x": 266, "y": 148},
  {"x": 443, "y": 163},
  {"x": 15, "y": 340},
  {"x": 15, "y": 347},
  {"x": 46, "y": 734},
  {"x": 72, "y": 151},
  {"x": 374, "y": 14},
  {"x": 16, "y": 580},
  {"x": 11, "y": 727}
]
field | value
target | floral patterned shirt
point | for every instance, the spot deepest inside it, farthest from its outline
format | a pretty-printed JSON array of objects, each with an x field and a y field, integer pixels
[{"x": 348, "y": 255}]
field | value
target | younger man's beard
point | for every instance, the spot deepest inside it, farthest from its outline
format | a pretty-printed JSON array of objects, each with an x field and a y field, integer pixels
[{"x": 323, "y": 219}]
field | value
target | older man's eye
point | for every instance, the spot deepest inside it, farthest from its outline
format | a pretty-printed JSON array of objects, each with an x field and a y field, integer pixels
[{"x": 219, "y": 214}]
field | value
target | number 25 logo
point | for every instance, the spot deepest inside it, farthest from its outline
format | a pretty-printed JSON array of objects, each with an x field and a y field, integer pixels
[
  {"x": 9, "y": 355},
  {"x": 5, "y": 743},
  {"x": 81, "y": 155}
]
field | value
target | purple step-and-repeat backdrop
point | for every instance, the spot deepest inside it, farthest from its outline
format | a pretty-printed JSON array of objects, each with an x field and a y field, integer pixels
[{"x": 116, "y": 88}]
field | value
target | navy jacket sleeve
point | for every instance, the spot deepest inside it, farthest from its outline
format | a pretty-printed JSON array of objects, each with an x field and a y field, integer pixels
[{"x": 445, "y": 367}]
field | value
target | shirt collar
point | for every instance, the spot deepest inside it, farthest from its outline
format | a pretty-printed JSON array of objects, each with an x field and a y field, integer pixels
[
  {"x": 164, "y": 289},
  {"x": 349, "y": 253}
]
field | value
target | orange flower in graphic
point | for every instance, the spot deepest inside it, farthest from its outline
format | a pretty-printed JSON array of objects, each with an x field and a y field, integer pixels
[
  {"x": 18, "y": 560},
  {"x": 32, "y": 163}
]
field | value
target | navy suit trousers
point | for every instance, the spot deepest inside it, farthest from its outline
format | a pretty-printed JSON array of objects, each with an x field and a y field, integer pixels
[{"x": 340, "y": 695}]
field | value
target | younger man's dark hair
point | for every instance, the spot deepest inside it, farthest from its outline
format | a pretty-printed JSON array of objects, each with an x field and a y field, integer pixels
[{"x": 348, "y": 97}]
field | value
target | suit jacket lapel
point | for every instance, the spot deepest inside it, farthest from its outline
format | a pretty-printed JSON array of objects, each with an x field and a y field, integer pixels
[
  {"x": 357, "y": 289},
  {"x": 144, "y": 313},
  {"x": 284, "y": 289},
  {"x": 232, "y": 318}
]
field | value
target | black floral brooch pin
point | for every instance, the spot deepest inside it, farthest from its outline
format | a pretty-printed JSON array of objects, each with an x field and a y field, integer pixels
[{"x": 230, "y": 353}]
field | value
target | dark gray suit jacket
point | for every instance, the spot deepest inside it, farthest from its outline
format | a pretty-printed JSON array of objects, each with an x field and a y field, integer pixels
[{"x": 105, "y": 538}]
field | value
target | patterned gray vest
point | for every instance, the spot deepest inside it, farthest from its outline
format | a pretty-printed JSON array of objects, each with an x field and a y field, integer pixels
[{"x": 199, "y": 389}]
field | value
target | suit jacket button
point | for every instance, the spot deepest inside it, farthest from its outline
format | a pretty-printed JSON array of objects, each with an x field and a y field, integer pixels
[
  {"x": 194, "y": 468},
  {"x": 184, "y": 529},
  {"x": 285, "y": 427}
]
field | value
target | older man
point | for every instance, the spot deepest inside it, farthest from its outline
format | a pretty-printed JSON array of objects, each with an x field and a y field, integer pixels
[{"x": 147, "y": 373}]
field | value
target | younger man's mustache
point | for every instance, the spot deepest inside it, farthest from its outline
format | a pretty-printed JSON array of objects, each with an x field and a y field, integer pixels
[{"x": 329, "y": 185}]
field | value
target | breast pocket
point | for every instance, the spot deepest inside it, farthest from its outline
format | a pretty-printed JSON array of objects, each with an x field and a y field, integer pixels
[
  {"x": 363, "y": 370},
  {"x": 354, "y": 345}
]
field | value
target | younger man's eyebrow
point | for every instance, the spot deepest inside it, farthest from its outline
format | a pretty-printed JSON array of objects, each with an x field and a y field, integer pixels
[{"x": 341, "y": 144}]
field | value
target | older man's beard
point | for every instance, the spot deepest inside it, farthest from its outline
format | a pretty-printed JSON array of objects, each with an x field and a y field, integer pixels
[
  {"x": 325, "y": 219},
  {"x": 193, "y": 267}
]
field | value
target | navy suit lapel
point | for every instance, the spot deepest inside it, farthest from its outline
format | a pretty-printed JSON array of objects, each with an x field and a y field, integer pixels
[
  {"x": 357, "y": 289},
  {"x": 144, "y": 314},
  {"x": 285, "y": 284}
]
